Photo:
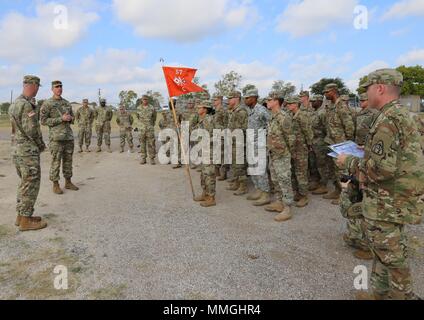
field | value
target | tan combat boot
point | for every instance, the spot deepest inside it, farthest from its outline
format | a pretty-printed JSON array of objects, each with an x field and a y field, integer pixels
[
  {"x": 313, "y": 186},
  {"x": 56, "y": 188},
  {"x": 321, "y": 190},
  {"x": 132, "y": 149},
  {"x": 232, "y": 180},
  {"x": 255, "y": 195},
  {"x": 363, "y": 255},
  {"x": 284, "y": 216},
  {"x": 31, "y": 224},
  {"x": 234, "y": 186},
  {"x": 143, "y": 161},
  {"x": 333, "y": 195},
  {"x": 201, "y": 197},
  {"x": 223, "y": 175},
  {"x": 87, "y": 149},
  {"x": 109, "y": 149},
  {"x": 263, "y": 200},
  {"x": 366, "y": 296},
  {"x": 99, "y": 149},
  {"x": 297, "y": 196},
  {"x": 209, "y": 202},
  {"x": 242, "y": 190},
  {"x": 122, "y": 150},
  {"x": 336, "y": 202},
  {"x": 80, "y": 150},
  {"x": 277, "y": 206},
  {"x": 19, "y": 218},
  {"x": 177, "y": 166},
  {"x": 152, "y": 162},
  {"x": 70, "y": 186},
  {"x": 303, "y": 202}
]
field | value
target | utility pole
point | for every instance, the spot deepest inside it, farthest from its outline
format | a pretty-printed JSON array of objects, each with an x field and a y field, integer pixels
[{"x": 11, "y": 96}]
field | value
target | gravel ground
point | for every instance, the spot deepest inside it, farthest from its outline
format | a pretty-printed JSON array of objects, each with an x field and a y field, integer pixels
[{"x": 132, "y": 232}]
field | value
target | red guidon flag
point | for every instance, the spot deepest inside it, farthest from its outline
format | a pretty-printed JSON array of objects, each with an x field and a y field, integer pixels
[{"x": 180, "y": 81}]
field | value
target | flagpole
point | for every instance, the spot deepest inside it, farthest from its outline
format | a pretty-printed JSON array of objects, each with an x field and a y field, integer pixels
[{"x": 177, "y": 125}]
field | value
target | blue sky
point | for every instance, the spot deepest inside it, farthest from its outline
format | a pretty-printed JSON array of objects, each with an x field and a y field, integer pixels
[{"x": 116, "y": 45}]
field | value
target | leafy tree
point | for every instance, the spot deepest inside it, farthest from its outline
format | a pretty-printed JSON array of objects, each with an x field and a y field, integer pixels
[
  {"x": 318, "y": 88},
  {"x": 413, "y": 78},
  {"x": 285, "y": 89},
  {"x": 128, "y": 99},
  {"x": 155, "y": 99},
  {"x": 4, "y": 107},
  {"x": 229, "y": 82}
]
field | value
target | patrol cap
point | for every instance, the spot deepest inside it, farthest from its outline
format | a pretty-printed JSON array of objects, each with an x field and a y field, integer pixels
[
  {"x": 85, "y": 101},
  {"x": 317, "y": 97},
  {"x": 216, "y": 96},
  {"x": 145, "y": 97},
  {"x": 251, "y": 93},
  {"x": 331, "y": 86},
  {"x": 102, "y": 100},
  {"x": 363, "y": 97},
  {"x": 304, "y": 94},
  {"x": 204, "y": 104},
  {"x": 32, "y": 80},
  {"x": 293, "y": 99},
  {"x": 234, "y": 94},
  {"x": 56, "y": 83},
  {"x": 274, "y": 96},
  {"x": 384, "y": 76}
]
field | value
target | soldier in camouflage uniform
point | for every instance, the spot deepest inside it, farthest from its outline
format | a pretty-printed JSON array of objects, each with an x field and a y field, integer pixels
[
  {"x": 208, "y": 176},
  {"x": 103, "y": 116},
  {"x": 28, "y": 144},
  {"x": 259, "y": 117},
  {"x": 419, "y": 120},
  {"x": 280, "y": 140},
  {"x": 221, "y": 123},
  {"x": 57, "y": 114},
  {"x": 165, "y": 123},
  {"x": 301, "y": 128},
  {"x": 191, "y": 116},
  {"x": 238, "y": 120},
  {"x": 85, "y": 119},
  {"x": 339, "y": 128},
  {"x": 392, "y": 176},
  {"x": 125, "y": 121},
  {"x": 146, "y": 115},
  {"x": 351, "y": 197}
]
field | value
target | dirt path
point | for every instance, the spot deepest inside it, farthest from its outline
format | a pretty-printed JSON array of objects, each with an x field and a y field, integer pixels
[{"x": 132, "y": 232}]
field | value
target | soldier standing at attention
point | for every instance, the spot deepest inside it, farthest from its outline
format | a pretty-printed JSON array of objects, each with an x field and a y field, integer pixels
[
  {"x": 221, "y": 123},
  {"x": 125, "y": 121},
  {"x": 28, "y": 144},
  {"x": 57, "y": 114},
  {"x": 103, "y": 116},
  {"x": 303, "y": 143},
  {"x": 238, "y": 121},
  {"x": 279, "y": 143},
  {"x": 85, "y": 119},
  {"x": 392, "y": 177},
  {"x": 339, "y": 128},
  {"x": 258, "y": 120},
  {"x": 146, "y": 114},
  {"x": 207, "y": 177}
]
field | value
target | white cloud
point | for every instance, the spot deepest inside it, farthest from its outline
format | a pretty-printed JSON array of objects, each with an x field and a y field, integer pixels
[
  {"x": 308, "y": 17},
  {"x": 353, "y": 82},
  {"x": 28, "y": 38},
  {"x": 405, "y": 8},
  {"x": 412, "y": 57},
  {"x": 184, "y": 20},
  {"x": 10, "y": 75}
]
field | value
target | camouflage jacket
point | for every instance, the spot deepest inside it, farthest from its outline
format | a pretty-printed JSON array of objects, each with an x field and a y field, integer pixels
[
  {"x": 84, "y": 117},
  {"x": 238, "y": 119},
  {"x": 146, "y": 116},
  {"x": 363, "y": 122},
  {"x": 27, "y": 115},
  {"x": 393, "y": 168},
  {"x": 259, "y": 118},
  {"x": 124, "y": 120},
  {"x": 192, "y": 117},
  {"x": 280, "y": 138},
  {"x": 302, "y": 130},
  {"x": 103, "y": 115},
  {"x": 52, "y": 112},
  {"x": 318, "y": 126},
  {"x": 164, "y": 123},
  {"x": 339, "y": 123},
  {"x": 221, "y": 119}
]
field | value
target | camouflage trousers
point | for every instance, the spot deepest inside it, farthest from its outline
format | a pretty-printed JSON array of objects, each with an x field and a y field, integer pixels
[
  {"x": 125, "y": 135},
  {"x": 322, "y": 162},
  {"x": 84, "y": 135},
  {"x": 147, "y": 143},
  {"x": 391, "y": 276},
  {"x": 281, "y": 178},
  {"x": 300, "y": 173},
  {"x": 239, "y": 170},
  {"x": 62, "y": 153},
  {"x": 29, "y": 171},
  {"x": 208, "y": 179},
  {"x": 313, "y": 173},
  {"x": 103, "y": 131}
]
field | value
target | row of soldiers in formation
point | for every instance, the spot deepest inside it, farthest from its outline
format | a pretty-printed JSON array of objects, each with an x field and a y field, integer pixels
[{"x": 300, "y": 130}]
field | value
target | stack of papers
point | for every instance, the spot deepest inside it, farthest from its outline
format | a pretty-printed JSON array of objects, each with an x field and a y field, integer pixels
[{"x": 349, "y": 148}]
